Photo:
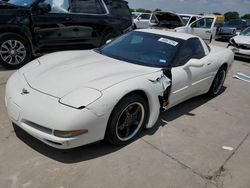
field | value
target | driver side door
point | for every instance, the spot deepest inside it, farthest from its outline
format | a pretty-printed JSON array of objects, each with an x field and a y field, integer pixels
[{"x": 190, "y": 72}]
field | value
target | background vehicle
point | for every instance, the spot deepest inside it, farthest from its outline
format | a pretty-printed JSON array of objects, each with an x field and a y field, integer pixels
[
  {"x": 71, "y": 98},
  {"x": 203, "y": 27},
  {"x": 240, "y": 44},
  {"x": 231, "y": 28},
  {"x": 36, "y": 26},
  {"x": 168, "y": 20},
  {"x": 144, "y": 20},
  {"x": 189, "y": 18}
]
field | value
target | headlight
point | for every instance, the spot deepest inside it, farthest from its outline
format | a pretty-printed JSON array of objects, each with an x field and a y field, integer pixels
[
  {"x": 232, "y": 41},
  {"x": 81, "y": 98},
  {"x": 69, "y": 134}
]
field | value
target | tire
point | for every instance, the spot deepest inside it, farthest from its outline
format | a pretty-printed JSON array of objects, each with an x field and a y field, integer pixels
[
  {"x": 218, "y": 82},
  {"x": 126, "y": 120},
  {"x": 108, "y": 36},
  {"x": 15, "y": 51}
]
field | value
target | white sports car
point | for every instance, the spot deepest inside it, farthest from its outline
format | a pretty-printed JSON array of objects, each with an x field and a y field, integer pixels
[
  {"x": 240, "y": 44},
  {"x": 72, "y": 98}
]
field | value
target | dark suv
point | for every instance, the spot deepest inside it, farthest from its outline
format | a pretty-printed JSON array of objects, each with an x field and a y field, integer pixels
[
  {"x": 33, "y": 27},
  {"x": 230, "y": 28}
]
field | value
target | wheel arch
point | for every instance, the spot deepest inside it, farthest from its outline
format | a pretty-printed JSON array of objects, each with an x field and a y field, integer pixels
[{"x": 22, "y": 32}]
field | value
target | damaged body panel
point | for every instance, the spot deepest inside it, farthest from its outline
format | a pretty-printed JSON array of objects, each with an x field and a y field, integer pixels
[{"x": 112, "y": 92}]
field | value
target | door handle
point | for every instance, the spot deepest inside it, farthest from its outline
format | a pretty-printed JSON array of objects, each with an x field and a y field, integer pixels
[
  {"x": 68, "y": 19},
  {"x": 208, "y": 31}
]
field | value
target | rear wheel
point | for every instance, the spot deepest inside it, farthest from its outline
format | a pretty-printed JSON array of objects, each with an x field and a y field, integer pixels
[
  {"x": 15, "y": 50},
  {"x": 218, "y": 82},
  {"x": 127, "y": 120}
]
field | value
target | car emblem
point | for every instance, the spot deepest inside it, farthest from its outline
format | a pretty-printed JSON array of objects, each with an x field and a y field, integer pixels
[{"x": 25, "y": 91}]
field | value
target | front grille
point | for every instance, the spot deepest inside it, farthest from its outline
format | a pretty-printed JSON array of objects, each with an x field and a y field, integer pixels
[
  {"x": 37, "y": 127},
  {"x": 244, "y": 46}
]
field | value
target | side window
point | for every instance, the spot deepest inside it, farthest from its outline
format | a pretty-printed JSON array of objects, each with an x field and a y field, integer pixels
[
  {"x": 87, "y": 7},
  {"x": 192, "y": 19},
  {"x": 192, "y": 48},
  {"x": 59, "y": 6},
  {"x": 154, "y": 19},
  {"x": 119, "y": 8},
  {"x": 203, "y": 23},
  {"x": 145, "y": 16}
]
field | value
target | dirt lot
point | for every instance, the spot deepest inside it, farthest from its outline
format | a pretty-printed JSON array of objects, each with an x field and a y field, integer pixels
[{"x": 184, "y": 149}]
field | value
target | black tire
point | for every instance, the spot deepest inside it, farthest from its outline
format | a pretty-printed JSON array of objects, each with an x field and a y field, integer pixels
[
  {"x": 108, "y": 36},
  {"x": 15, "y": 50},
  {"x": 116, "y": 129},
  {"x": 218, "y": 82}
]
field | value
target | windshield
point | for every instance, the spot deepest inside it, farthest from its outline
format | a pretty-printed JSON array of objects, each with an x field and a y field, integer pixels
[
  {"x": 143, "y": 48},
  {"x": 22, "y": 3},
  {"x": 246, "y": 32},
  {"x": 185, "y": 19}
]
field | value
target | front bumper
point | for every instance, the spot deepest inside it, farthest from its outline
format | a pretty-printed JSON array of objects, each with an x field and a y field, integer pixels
[
  {"x": 40, "y": 114},
  {"x": 240, "y": 52},
  {"x": 224, "y": 36}
]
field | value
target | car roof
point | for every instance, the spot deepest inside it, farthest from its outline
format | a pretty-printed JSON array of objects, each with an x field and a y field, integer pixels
[
  {"x": 180, "y": 14},
  {"x": 184, "y": 36}
]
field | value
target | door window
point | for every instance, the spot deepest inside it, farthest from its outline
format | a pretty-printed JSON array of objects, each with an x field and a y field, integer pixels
[
  {"x": 145, "y": 16},
  {"x": 87, "y": 7},
  {"x": 192, "y": 48},
  {"x": 59, "y": 6},
  {"x": 154, "y": 19},
  {"x": 203, "y": 23}
]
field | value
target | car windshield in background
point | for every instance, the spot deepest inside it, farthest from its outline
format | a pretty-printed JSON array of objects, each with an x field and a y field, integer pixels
[
  {"x": 246, "y": 32},
  {"x": 185, "y": 19},
  {"x": 143, "y": 48},
  {"x": 22, "y": 3}
]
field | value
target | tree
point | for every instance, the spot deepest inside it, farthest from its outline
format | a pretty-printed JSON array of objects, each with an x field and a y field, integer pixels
[
  {"x": 246, "y": 16},
  {"x": 231, "y": 15},
  {"x": 143, "y": 10},
  {"x": 157, "y": 10},
  {"x": 217, "y": 13}
]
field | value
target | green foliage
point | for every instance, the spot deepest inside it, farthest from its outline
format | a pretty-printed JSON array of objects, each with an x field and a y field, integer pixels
[
  {"x": 157, "y": 10},
  {"x": 143, "y": 10},
  {"x": 246, "y": 16},
  {"x": 231, "y": 15},
  {"x": 217, "y": 13}
]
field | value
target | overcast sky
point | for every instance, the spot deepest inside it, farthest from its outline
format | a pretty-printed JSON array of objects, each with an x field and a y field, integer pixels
[{"x": 194, "y": 6}]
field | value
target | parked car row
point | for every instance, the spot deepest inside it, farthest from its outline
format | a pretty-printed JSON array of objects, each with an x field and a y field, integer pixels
[{"x": 186, "y": 23}]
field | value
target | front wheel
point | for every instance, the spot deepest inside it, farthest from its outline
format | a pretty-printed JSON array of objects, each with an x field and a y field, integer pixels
[
  {"x": 15, "y": 50},
  {"x": 126, "y": 120},
  {"x": 218, "y": 82}
]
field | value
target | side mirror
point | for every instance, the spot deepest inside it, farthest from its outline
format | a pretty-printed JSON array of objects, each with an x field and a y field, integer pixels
[
  {"x": 44, "y": 7},
  {"x": 138, "y": 18},
  {"x": 193, "y": 63},
  {"x": 108, "y": 41}
]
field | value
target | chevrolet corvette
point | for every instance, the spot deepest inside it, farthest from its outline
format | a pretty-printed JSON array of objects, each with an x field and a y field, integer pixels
[{"x": 72, "y": 98}]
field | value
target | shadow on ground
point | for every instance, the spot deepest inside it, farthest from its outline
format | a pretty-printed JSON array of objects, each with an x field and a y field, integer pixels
[{"x": 102, "y": 148}]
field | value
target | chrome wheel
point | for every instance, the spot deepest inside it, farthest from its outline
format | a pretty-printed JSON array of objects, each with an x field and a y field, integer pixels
[
  {"x": 219, "y": 81},
  {"x": 130, "y": 121},
  {"x": 13, "y": 52}
]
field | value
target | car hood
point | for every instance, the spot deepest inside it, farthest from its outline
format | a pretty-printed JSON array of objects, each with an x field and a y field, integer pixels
[
  {"x": 63, "y": 72},
  {"x": 227, "y": 29},
  {"x": 241, "y": 39}
]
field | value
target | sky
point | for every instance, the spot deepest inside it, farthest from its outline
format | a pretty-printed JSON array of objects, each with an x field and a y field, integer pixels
[{"x": 194, "y": 6}]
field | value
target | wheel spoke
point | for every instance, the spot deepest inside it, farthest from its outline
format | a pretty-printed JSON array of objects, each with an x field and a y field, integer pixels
[
  {"x": 127, "y": 131},
  {"x": 121, "y": 127}
]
